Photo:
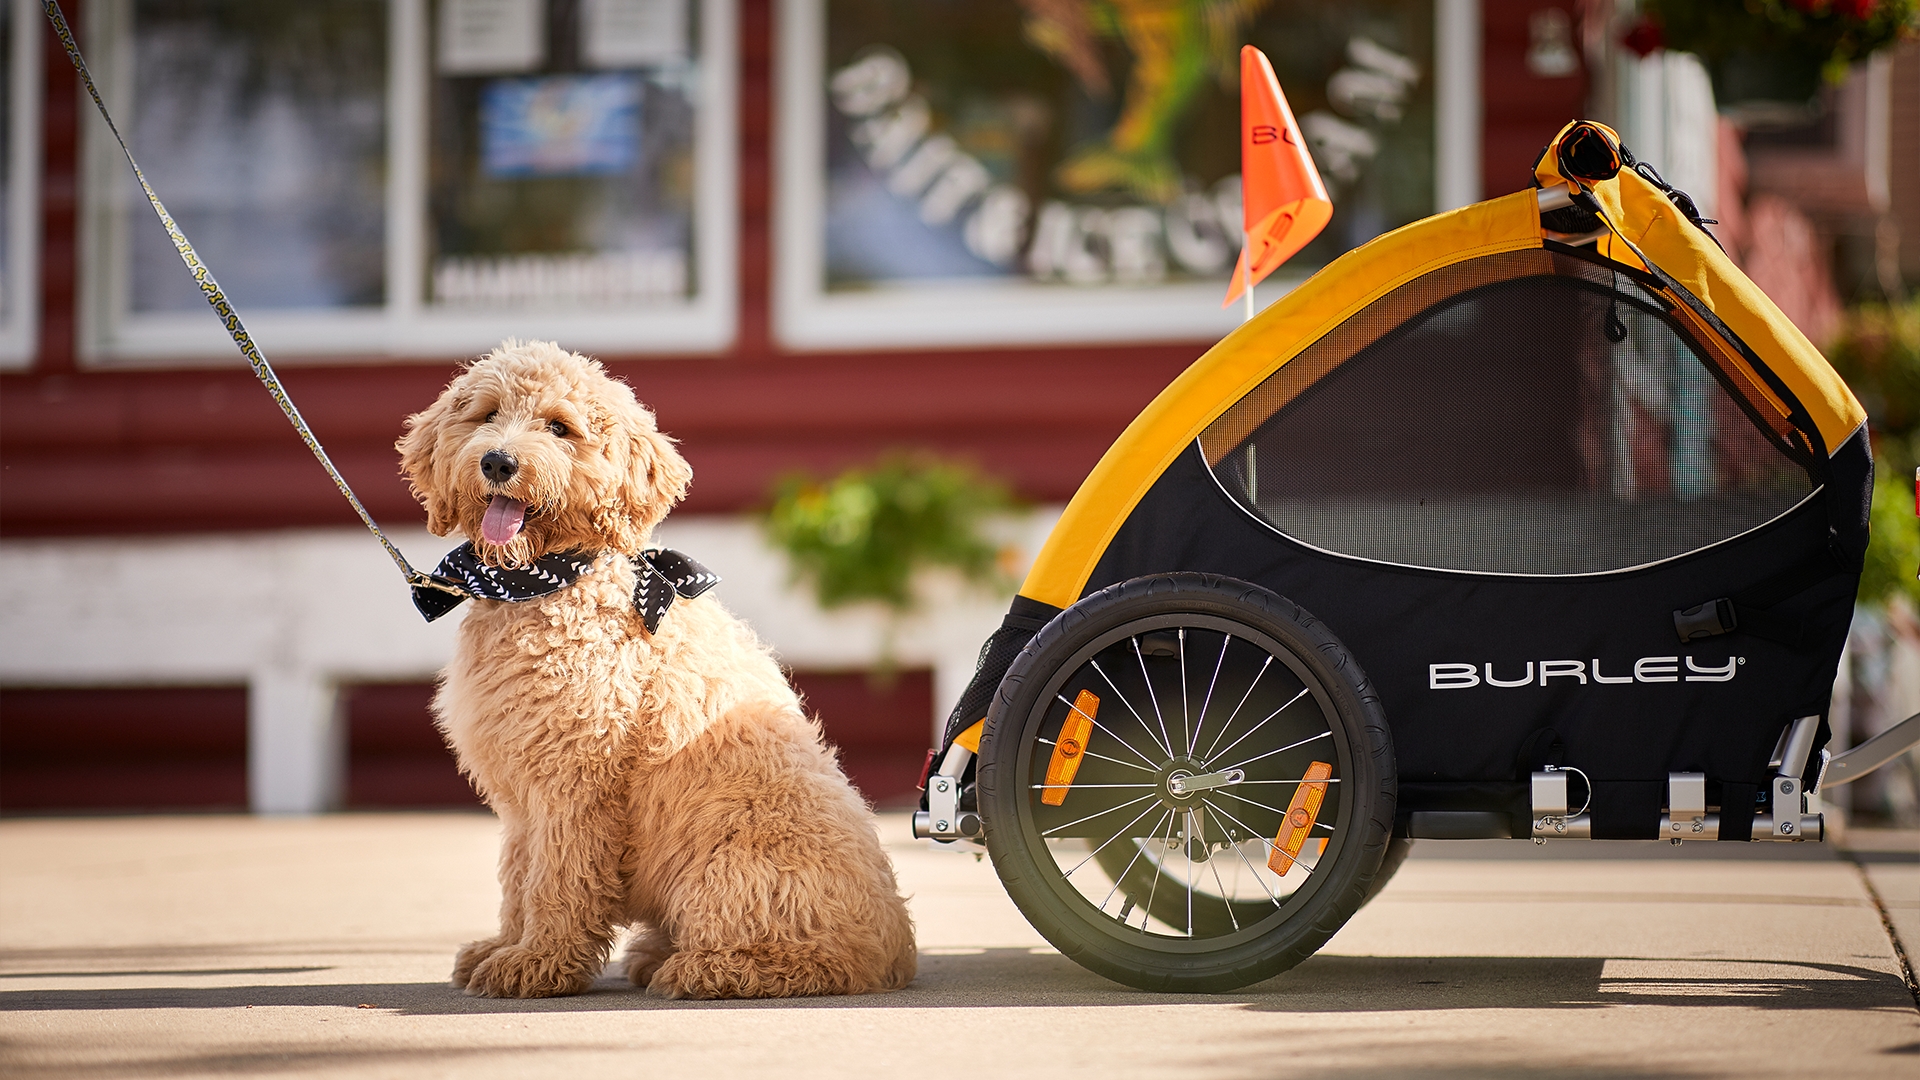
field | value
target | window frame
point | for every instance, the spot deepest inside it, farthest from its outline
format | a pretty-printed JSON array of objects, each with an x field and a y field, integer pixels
[
  {"x": 407, "y": 326},
  {"x": 20, "y": 326},
  {"x": 962, "y": 313}
]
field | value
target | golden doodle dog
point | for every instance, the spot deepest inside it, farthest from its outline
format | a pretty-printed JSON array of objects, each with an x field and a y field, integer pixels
[{"x": 667, "y": 780}]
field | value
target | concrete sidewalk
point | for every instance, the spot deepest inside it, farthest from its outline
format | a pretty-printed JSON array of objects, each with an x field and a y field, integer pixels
[{"x": 201, "y": 946}]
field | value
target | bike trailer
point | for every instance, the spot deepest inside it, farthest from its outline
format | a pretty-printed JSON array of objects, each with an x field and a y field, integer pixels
[{"x": 1531, "y": 519}]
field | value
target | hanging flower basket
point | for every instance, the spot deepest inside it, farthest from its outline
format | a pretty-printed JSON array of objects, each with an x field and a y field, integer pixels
[{"x": 1768, "y": 58}]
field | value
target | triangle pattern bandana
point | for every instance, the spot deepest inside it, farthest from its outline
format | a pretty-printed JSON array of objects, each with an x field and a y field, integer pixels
[{"x": 663, "y": 575}]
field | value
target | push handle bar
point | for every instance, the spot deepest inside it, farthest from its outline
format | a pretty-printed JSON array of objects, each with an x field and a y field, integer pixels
[{"x": 1874, "y": 753}]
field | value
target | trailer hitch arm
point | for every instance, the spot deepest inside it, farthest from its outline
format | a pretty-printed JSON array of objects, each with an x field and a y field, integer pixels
[{"x": 1875, "y": 752}]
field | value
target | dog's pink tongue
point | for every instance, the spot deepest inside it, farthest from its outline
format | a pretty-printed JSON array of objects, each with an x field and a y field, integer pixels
[{"x": 503, "y": 520}]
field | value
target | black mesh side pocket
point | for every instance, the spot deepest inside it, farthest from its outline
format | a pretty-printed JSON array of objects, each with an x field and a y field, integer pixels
[{"x": 1024, "y": 619}]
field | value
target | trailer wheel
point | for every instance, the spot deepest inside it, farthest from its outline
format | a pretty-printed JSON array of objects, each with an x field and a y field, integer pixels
[{"x": 1187, "y": 783}]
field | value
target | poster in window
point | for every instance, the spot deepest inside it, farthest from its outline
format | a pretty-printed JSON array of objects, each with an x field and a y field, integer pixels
[
  {"x": 567, "y": 181},
  {"x": 1053, "y": 169}
]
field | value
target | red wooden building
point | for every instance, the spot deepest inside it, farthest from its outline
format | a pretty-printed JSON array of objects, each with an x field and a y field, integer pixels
[{"x": 141, "y": 464}]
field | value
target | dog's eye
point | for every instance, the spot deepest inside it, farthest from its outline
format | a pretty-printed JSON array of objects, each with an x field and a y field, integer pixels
[
  {"x": 559, "y": 429},
  {"x": 490, "y": 418}
]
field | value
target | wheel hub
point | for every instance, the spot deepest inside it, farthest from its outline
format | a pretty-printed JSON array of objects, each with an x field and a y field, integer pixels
[{"x": 1175, "y": 780}]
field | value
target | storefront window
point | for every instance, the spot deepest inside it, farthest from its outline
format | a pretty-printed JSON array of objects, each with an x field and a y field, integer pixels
[
  {"x": 19, "y": 192},
  {"x": 415, "y": 177},
  {"x": 1073, "y": 167},
  {"x": 264, "y": 128},
  {"x": 563, "y": 146}
]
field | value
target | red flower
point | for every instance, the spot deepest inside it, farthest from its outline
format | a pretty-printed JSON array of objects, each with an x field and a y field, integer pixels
[
  {"x": 1857, "y": 9},
  {"x": 1643, "y": 38}
]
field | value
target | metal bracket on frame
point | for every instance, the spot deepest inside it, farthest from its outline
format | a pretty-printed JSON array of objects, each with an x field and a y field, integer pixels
[
  {"x": 1686, "y": 817},
  {"x": 1787, "y": 817},
  {"x": 1551, "y": 816},
  {"x": 943, "y": 819}
]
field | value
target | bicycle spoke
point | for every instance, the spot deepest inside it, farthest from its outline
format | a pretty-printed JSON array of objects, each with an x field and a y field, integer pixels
[
  {"x": 1186, "y": 713},
  {"x": 1208, "y": 702},
  {"x": 1302, "y": 780},
  {"x": 1090, "y": 817},
  {"x": 1043, "y": 787},
  {"x": 1251, "y": 869},
  {"x": 1109, "y": 840},
  {"x": 1250, "y": 802},
  {"x": 1103, "y": 757},
  {"x": 1270, "y": 753},
  {"x": 1152, "y": 695},
  {"x": 1095, "y": 664},
  {"x": 1262, "y": 838},
  {"x": 1108, "y": 730},
  {"x": 1224, "y": 898},
  {"x": 1186, "y": 850},
  {"x": 1231, "y": 717},
  {"x": 1269, "y": 716},
  {"x": 1158, "y": 866},
  {"x": 1137, "y": 852}
]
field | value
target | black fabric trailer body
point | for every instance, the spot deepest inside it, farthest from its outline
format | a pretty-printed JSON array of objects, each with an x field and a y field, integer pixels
[
  {"x": 1499, "y": 500},
  {"x": 1459, "y": 748}
]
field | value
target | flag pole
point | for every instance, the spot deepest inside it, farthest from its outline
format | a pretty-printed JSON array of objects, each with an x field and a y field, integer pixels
[{"x": 1246, "y": 260}]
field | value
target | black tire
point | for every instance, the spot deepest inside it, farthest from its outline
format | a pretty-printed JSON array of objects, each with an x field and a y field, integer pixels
[
  {"x": 1398, "y": 849},
  {"x": 1116, "y": 861},
  {"x": 1262, "y": 657}
]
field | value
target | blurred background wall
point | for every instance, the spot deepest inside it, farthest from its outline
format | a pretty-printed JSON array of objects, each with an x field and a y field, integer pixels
[{"x": 808, "y": 232}]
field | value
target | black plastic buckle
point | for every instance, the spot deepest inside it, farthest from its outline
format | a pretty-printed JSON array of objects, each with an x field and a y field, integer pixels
[{"x": 1711, "y": 619}]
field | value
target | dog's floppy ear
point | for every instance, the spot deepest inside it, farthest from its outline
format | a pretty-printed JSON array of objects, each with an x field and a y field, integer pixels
[
  {"x": 416, "y": 463},
  {"x": 657, "y": 476}
]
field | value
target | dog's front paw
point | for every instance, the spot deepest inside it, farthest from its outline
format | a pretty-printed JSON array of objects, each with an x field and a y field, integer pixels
[
  {"x": 518, "y": 972},
  {"x": 645, "y": 955},
  {"x": 470, "y": 956}
]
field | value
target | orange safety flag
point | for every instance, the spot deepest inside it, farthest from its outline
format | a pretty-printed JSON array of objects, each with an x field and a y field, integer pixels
[{"x": 1284, "y": 203}]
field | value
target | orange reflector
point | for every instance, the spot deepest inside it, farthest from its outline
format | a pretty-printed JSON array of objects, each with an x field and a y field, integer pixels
[
  {"x": 1069, "y": 748},
  {"x": 1301, "y": 814}
]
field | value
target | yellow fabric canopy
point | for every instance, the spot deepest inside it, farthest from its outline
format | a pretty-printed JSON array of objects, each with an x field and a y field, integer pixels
[{"x": 1644, "y": 219}]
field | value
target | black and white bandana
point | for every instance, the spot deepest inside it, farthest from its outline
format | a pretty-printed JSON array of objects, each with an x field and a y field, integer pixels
[{"x": 662, "y": 574}]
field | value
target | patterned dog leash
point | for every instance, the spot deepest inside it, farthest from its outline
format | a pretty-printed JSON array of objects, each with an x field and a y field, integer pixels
[{"x": 231, "y": 320}]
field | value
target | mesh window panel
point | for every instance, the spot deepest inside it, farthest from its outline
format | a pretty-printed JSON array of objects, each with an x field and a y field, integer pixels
[{"x": 1498, "y": 428}]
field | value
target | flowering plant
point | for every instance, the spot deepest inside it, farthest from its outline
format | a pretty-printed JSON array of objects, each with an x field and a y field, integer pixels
[{"x": 1827, "y": 35}]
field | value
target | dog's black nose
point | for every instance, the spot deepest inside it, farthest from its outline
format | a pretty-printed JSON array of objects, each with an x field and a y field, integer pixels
[{"x": 498, "y": 466}]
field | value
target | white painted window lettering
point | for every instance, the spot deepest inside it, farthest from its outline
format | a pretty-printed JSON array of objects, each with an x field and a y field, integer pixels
[
  {"x": 1657, "y": 669},
  {"x": 488, "y": 37},
  {"x": 633, "y": 33},
  {"x": 1572, "y": 669},
  {"x": 1724, "y": 673},
  {"x": 1452, "y": 676}
]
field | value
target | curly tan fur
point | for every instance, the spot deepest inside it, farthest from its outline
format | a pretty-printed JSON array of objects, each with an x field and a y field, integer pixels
[{"x": 667, "y": 781}]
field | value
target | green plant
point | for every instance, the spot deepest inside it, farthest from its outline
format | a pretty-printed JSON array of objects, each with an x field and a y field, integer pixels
[
  {"x": 1878, "y": 352},
  {"x": 1894, "y": 553},
  {"x": 862, "y": 535},
  {"x": 1827, "y": 34}
]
